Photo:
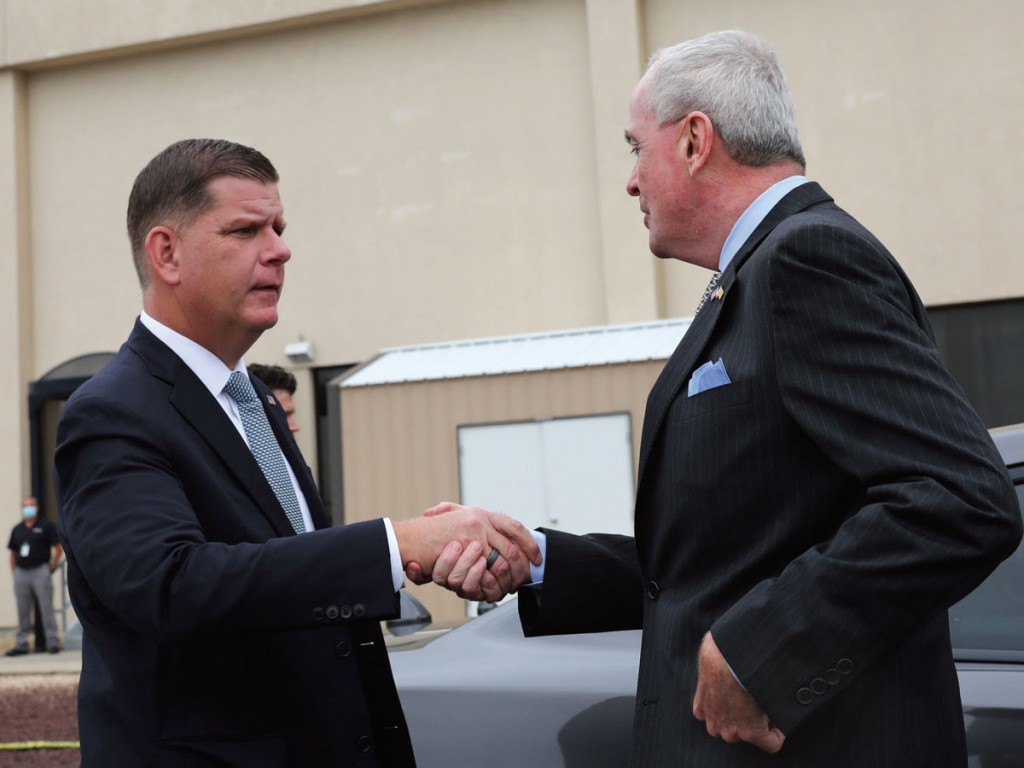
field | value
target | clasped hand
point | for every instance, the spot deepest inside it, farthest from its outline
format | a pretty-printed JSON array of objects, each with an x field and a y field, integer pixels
[{"x": 449, "y": 545}]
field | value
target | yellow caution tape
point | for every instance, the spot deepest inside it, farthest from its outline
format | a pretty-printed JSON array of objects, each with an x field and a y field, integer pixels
[{"x": 25, "y": 745}]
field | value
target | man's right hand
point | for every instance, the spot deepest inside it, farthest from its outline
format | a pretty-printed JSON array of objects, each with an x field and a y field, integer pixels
[{"x": 461, "y": 565}]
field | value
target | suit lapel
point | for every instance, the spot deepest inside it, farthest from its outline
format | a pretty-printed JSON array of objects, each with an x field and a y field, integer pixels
[
  {"x": 677, "y": 368},
  {"x": 800, "y": 199},
  {"x": 201, "y": 411},
  {"x": 684, "y": 359}
]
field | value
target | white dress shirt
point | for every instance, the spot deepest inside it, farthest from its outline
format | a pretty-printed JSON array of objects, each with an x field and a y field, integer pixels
[{"x": 212, "y": 372}]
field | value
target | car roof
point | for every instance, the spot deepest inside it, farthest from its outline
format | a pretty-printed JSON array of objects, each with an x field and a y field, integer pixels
[{"x": 1010, "y": 442}]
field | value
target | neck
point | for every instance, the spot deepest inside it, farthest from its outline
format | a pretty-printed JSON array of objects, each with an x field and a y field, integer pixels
[
  {"x": 225, "y": 350},
  {"x": 750, "y": 183},
  {"x": 734, "y": 187}
]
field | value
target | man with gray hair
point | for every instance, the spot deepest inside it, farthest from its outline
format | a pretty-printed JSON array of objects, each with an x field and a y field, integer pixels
[{"x": 814, "y": 489}]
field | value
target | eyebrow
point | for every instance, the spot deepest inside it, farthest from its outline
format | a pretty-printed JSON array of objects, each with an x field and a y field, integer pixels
[{"x": 246, "y": 218}]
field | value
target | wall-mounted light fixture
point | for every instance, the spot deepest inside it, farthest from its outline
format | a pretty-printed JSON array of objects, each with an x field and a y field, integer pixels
[{"x": 300, "y": 351}]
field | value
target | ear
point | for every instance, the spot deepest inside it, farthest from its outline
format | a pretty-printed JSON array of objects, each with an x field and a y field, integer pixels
[
  {"x": 696, "y": 139},
  {"x": 162, "y": 250}
]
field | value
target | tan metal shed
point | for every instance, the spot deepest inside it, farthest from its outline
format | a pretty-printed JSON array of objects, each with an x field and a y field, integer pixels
[{"x": 400, "y": 412}]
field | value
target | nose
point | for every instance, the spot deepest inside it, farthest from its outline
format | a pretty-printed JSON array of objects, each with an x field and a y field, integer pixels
[
  {"x": 278, "y": 251},
  {"x": 632, "y": 187}
]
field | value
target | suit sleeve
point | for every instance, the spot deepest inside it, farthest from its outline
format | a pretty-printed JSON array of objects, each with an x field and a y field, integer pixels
[
  {"x": 163, "y": 542},
  {"x": 591, "y": 584},
  {"x": 858, "y": 373}
]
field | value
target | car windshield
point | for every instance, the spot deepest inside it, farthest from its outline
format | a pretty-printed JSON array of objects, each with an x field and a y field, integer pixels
[{"x": 988, "y": 624}]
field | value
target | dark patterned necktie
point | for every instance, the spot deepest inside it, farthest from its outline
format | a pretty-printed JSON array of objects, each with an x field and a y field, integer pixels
[
  {"x": 264, "y": 446},
  {"x": 712, "y": 284}
]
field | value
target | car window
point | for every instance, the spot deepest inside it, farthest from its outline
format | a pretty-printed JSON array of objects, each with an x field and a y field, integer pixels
[{"x": 988, "y": 624}]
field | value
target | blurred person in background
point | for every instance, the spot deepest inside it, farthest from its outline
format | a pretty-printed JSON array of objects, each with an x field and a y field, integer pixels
[
  {"x": 35, "y": 554},
  {"x": 282, "y": 385}
]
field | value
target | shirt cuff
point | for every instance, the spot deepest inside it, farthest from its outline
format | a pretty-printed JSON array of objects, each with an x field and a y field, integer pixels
[
  {"x": 734, "y": 677},
  {"x": 397, "y": 572},
  {"x": 537, "y": 571}
]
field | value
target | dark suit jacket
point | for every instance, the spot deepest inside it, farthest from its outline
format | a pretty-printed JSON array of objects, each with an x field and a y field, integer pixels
[
  {"x": 818, "y": 514},
  {"x": 213, "y": 635}
]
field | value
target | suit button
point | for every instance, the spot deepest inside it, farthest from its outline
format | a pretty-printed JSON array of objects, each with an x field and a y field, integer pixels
[
  {"x": 359, "y": 610},
  {"x": 318, "y": 614},
  {"x": 346, "y": 612},
  {"x": 332, "y": 611},
  {"x": 844, "y": 666},
  {"x": 653, "y": 590},
  {"x": 804, "y": 696},
  {"x": 832, "y": 676},
  {"x": 818, "y": 686},
  {"x": 343, "y": 649},
  {"x": 363, "y": 744}
]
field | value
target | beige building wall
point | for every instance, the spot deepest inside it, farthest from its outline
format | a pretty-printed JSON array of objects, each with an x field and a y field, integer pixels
[
  {"x": 455, "y": 168},
  {"x": 909, "y": 113},
  {"x": 400, "y": 446}
]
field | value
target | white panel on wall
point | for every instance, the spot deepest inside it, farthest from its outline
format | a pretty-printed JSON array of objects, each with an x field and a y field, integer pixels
[{"x": 573, "y": 474}]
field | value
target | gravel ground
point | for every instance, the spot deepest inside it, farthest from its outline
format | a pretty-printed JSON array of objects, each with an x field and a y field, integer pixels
[{"x": 38, "y": 708}]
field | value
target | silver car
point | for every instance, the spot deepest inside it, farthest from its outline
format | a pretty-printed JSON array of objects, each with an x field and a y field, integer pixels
[{"x": 483, "y": 694}]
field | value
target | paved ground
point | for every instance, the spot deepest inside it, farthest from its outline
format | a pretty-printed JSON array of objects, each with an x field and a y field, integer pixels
[{"x": 37, "y": 704}]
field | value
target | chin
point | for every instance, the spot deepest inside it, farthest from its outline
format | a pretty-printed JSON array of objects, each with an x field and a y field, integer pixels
[
  {"x": 264, "y": 320},
  {"x": 678, "y": 253},
  {"x": 659, "y": 250}
]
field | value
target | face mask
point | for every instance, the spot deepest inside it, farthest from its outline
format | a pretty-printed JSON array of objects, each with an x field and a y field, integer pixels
[{"x": 28, "y": 512}]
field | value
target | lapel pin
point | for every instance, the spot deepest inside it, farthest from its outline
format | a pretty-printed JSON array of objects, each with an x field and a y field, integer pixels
[
  {"x": 270, "y": 399},
  {"x": 717, "y": 295}
]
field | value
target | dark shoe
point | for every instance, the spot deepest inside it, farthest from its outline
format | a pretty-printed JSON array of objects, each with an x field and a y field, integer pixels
[
  {"x": 53, "y": 649},
  {"x": 17, "y": 652}
]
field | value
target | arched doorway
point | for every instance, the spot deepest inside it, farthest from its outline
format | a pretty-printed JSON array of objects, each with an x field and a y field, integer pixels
[{"x": 46, "y": 398}]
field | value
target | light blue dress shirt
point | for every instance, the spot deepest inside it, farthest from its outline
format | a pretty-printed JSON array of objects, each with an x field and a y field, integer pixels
[
  {"x": 754, "y": 215},
  {"x": 741, "y": 230}
]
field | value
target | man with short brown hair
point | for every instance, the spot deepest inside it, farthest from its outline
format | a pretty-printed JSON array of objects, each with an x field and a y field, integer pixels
[
  {"x": 282, "y": 384},
  {"x": 225, "y": 621}
]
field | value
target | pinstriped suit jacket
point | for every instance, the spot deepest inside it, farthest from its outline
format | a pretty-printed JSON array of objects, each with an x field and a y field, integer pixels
[{"x": 818, "y": 514}]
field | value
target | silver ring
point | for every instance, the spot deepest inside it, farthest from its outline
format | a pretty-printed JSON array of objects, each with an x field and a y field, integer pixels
[{"x": 493, "y": 557}]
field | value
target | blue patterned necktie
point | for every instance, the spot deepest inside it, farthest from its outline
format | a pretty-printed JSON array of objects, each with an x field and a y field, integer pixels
[
  {"x": 712, "y": 284},
  {"x": 264, "y": 446}
]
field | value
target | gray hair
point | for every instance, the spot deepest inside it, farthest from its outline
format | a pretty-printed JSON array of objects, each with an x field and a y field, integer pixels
[{"x": 735, "y": 79}]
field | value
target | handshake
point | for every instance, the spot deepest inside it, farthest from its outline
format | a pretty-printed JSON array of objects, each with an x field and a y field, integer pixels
[{"x": 477, "y": 554}]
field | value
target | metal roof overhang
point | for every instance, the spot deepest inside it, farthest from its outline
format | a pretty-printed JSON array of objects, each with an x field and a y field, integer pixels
[{"x": 498, "y": 355}]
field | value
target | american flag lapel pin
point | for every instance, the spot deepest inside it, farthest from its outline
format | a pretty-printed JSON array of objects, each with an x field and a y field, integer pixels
[{"x": 271, "y": 400}]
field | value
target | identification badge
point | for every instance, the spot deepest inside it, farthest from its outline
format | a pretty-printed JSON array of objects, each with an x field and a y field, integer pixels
[{"x": 24, "y": 549}]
